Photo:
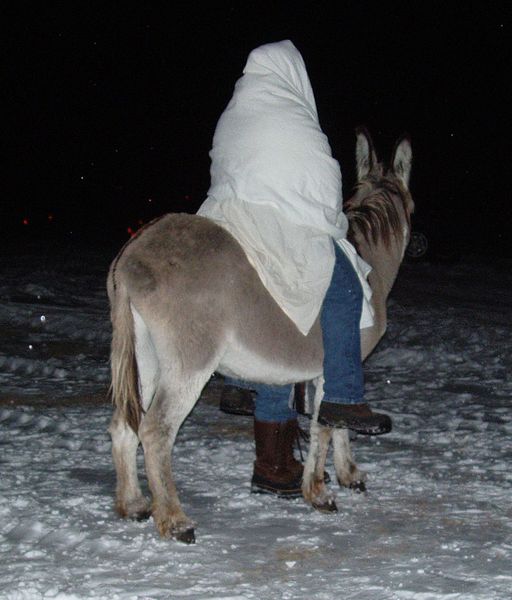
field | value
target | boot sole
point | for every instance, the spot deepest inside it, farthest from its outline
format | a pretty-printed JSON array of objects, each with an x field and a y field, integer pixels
[
  {"x": 359, "y": 427},
  {"x": 260, "y": 486}
]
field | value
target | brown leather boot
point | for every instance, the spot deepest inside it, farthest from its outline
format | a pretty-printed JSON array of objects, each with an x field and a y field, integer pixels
[{"x": 275, "y": 470}]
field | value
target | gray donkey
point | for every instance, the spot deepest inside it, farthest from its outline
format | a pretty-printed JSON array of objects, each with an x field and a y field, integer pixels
[{"x": 186, "y": 302}]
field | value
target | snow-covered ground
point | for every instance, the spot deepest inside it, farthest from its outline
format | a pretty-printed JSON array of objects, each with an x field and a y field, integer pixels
[{"x": 436, "y": 521}]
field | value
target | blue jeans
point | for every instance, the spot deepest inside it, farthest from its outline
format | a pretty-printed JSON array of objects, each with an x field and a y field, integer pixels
[{"x": 343, "y": 371}]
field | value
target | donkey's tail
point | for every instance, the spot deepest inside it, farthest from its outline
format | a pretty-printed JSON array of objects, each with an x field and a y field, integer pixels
[{"x": 124, "y": 388}]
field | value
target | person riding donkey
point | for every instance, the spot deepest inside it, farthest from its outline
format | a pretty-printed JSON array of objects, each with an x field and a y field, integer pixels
[{"x": 277, "y": 189}]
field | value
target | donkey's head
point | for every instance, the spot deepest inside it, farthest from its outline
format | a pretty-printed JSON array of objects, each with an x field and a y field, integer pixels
[{"x": 379, "y": 212}]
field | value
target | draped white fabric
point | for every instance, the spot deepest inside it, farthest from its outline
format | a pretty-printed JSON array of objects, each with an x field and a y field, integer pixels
[{"x": 276, "y": 187}]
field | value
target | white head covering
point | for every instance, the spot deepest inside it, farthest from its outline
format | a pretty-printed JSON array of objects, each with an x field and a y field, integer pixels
[{"x": 274, "y": 183}]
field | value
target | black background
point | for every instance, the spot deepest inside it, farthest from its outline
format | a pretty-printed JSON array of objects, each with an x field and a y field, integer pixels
[{"x": 112, "y": 106}]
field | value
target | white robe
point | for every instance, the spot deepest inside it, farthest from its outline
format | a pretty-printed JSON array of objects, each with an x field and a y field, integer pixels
[{"x": 276, "y": 187}]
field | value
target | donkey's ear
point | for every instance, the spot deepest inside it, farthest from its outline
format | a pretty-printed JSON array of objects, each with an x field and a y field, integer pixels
[
  {"x": 366, "y": 158},
  {"x": 402, "y": 160}
]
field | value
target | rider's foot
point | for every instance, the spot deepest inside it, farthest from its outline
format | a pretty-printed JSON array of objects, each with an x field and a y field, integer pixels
[
  {"x": 357, "y": 417},
  {"x": 237, "y": 401}
]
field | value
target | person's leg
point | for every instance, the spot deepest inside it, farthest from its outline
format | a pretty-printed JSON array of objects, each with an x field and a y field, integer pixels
[
  {"x": 343, "y": 404},
  {"x": 276, "y": 471},
  {"x": 271, "y": 403},
  {"x": 266, "y": 402},
  {"x": 340, "y": 316}
]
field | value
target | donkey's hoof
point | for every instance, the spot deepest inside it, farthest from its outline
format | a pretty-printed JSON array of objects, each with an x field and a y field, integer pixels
[
  {"x": 187, "y": 536},
  {"x": 329, "y": 506},
  {"x": 358, "y": 486},
  {"x": 143, "y": 515},
  {"x": 137, "y": 510}
]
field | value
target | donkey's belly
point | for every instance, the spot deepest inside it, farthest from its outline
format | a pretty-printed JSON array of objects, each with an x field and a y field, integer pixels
[{"x": 241, "y": 362}]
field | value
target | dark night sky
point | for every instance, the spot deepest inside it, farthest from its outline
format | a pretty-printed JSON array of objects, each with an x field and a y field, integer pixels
[{"x": 113, "y": 104}]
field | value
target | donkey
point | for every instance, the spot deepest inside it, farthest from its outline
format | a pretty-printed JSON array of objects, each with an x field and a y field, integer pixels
[{"x": 186, "y": 302}]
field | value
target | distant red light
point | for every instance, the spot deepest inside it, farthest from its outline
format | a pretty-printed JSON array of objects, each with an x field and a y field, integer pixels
[
  {"x": 50, "y": 218},
  {"x": 25, "y": 221}
]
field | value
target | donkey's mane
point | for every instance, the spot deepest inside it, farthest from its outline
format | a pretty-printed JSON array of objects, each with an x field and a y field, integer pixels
[{"x": 375, "y": 216}]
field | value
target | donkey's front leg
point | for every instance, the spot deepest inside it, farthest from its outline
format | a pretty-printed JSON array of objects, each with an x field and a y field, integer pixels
[
  {"x": 129, "y": 499},
  {"x": 314, "y": 489},
  {"x": 158, "y": 433},
  {"x": 347, "y": 471}
]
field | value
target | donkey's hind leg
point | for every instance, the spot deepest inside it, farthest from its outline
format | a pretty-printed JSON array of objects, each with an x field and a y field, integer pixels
[
  {"x": 158, "y": 431},
  {"x": 346, "y": 470},
  {"x": 130, "y": 501}
]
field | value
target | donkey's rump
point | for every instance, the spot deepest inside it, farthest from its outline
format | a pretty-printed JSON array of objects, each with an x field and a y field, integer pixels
[{"x": 188, "y": 277}]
